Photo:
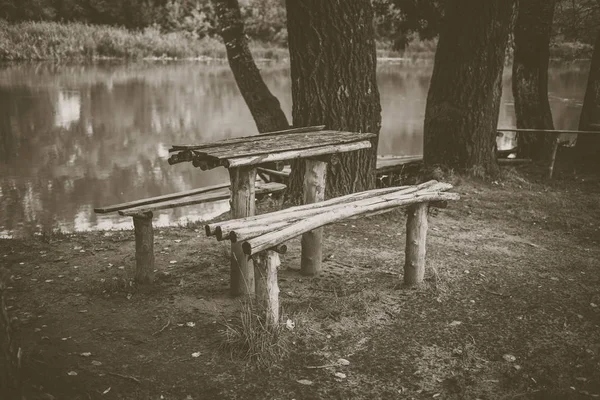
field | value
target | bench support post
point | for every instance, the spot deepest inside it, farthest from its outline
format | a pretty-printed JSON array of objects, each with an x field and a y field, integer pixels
[
  {"x": 242, "y": 205},
  {"x": 314, "y": 191},
  {"x": 416, "y": 237},
  {"x": 144, "y": 248},
  {"x": 267, "y": 289}
]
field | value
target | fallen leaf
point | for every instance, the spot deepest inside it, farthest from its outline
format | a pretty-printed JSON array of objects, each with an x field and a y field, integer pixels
[
  {"x": 172, "y": 262},
  {"x": 72, "y": 373},
  {"x": 106, "y": 391},
  {"x": 49, "y": 281},
  {"x": 455, "y": 323},
  {"x": 343, "y": 361},
  {"x": 290, "y": 325},
  {"x": 191, "y": 324},
  {"x": 177, "y": 240},
  {"x": 96, "y": 363},
  {"x": 509, "y": 357},
  {"x": 304, "y": 382},
  {"x": 196, "y": 354},
  {"x": 340, "y": 375},
  {"x": 86, "y": 354}
]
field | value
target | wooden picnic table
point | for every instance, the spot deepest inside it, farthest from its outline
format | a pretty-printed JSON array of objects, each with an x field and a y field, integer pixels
[{"x": 243, "y": 155}]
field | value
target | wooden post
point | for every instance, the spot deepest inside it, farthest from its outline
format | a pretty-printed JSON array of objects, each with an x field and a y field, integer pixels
[
  {"x": 416, "y": 237},
  {"x": 553, "y": 157},
  {"x": 267, "y": 289},
  {"x": 314, "y": 191},
  {"x": 242, "y": 205},
  {"x": 144, "y": 248}
]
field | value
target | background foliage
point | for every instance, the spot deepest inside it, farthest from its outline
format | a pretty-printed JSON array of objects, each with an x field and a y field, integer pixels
[{"x": 397, "y": 22}]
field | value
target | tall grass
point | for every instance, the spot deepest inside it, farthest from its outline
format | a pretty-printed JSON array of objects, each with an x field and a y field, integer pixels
[{"x": 57, "y": 41}]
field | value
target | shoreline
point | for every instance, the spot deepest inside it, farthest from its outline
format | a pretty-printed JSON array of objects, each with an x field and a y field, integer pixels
[{"x": 78, "y": 42}]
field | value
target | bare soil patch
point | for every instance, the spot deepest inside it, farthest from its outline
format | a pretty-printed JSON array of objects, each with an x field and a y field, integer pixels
[{"x": 510, "y": 308}]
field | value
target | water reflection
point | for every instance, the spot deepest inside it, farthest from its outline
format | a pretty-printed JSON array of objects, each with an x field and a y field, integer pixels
[{"x": 78, "y": 136}]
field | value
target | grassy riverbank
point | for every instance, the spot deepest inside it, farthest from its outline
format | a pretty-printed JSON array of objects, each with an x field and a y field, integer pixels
[
  {"x": 37, "y": 41},
  {"x": 33, "y": 41},
  {"x": 510, "y": 308}
]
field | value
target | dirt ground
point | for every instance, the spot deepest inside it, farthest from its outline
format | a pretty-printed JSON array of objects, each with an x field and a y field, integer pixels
[{"x": 510, "y": 308}]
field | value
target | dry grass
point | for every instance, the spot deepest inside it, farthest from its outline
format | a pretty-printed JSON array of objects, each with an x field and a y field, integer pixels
[{"x": 250, "y": 338}]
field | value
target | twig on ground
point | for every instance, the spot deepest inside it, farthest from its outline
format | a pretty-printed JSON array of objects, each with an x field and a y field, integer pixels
[
  {"x": 131, "y": 378},
  {"x": 163, "y": 328},
  {"x": 321, "y": 366}
]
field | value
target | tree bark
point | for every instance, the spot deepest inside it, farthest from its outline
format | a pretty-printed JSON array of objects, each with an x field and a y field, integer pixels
[
  {"x": 263, "y": 105},
  {"x": 461, "y": 116},
  {"x": 333, "y": 62},
  {"x": 530, "y": 78},
  {"x": 587, "y": 147}
]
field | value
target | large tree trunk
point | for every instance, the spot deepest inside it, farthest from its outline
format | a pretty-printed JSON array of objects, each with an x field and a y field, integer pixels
[
  {"x": 461, "y": 116},
  {"x": 265, "y": 107},
  {"x": 530, "y": 77},
  {"x": 587, "y": 147},
  {"x": 333, "y": 62}
]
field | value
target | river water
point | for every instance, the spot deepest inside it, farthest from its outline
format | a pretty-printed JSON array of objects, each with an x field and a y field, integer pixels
[{"x": 73, "y": 137}]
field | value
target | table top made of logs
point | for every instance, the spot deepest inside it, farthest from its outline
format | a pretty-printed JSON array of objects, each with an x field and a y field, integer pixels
[{"x": 269, "y": 147}]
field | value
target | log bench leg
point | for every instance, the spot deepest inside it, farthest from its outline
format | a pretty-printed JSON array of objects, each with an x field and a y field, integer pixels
[
  {"x": 312, "y": 241},
  {"x": 242, "y": 205},
  {"x": 144, "y": 248},
  {"x": 416, "y": 238},
  {"x": 267, "y": 289}
]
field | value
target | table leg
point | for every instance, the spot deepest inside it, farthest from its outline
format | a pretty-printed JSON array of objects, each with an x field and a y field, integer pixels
[
  {"x": 267, "y": 289},
  {"x": 242, "y": 205},
  {"x": 314, "y": 191},
  {"x": 416, "y": 238}
]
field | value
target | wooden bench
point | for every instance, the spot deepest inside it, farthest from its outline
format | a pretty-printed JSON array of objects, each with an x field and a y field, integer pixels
[
  {"x": 262, "y": 237},
  {"x": 142, "y": 212}
]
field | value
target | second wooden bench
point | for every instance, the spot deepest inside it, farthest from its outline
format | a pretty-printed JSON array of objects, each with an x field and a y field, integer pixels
[{"x": 142, "y": 212}]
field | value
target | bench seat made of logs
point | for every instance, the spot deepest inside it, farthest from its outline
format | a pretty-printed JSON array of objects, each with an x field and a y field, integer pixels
[
  {"x": 263, "y": 236},
  {"x": 142, "y": 211}
]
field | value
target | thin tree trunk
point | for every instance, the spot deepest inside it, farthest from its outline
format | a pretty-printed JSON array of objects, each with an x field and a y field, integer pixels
[
  {"x": 461, "y": 116},
  {"x": 263, "y": 105},
  {"x": 587, "y": 147},
  {"x": 530, "y": 78},
  {"x": 333, "y": 62}
]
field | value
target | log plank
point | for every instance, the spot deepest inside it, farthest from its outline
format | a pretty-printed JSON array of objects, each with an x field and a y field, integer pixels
[
  {"x": 221, "y": 194},
  {"x": 293, "y": 154},
  {"x": 269, "y": 240},
  {"x": 260, "y": 136}
]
